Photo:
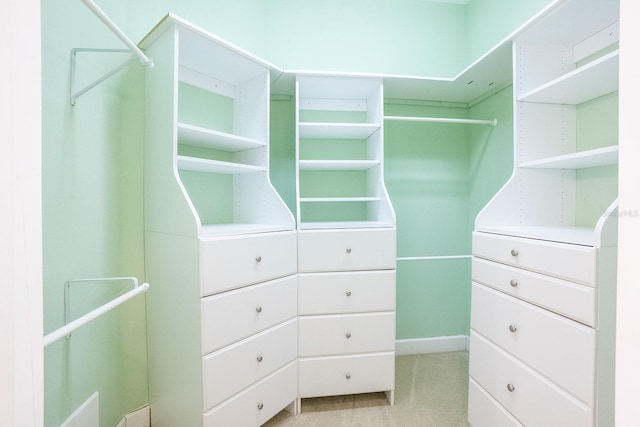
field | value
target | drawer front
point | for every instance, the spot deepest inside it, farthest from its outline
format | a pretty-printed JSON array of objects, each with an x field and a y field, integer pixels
[
  {"x": 346, "y": 334},
  {"x": 559, "y": 348},
  {"x": 346, "y": 375},
  {"x": 567, "y": 298},
  {"x": 485, "y": 411},
  {"x": 241, "y": 260},
  {"x": 572, "y": 262},
  {"x": 256, "y": 405},
  {"x": 344, "y": 250},
  {"x": 237, "y": 314},
  {"x": 352, "y": 292},
  {"x": 533, "y": 400},
  {"x": 228, "y": 371}
]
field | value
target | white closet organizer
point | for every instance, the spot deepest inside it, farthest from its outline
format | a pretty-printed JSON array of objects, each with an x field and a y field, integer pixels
[
  {"x": 221, "y": 245},
  {"x": 544, "y": 266},
  {"x": 346, "y": 239}
]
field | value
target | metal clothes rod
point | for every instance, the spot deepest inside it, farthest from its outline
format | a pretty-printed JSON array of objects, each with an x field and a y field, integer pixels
[
  {"x": 83, "y": 320},
  {"x": 429, "y": 258},
  {"x": 493, "y": 122},
  {"x": 118, "y": 32}
]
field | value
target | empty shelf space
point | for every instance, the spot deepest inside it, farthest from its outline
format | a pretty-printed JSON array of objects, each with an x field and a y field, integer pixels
[
  {"x": 580, "y": 160},
  {"x": 337, "y": 130},
  {"x": 337, "y": 164},
  {"x": 210, "y": 230},
  {"x": 590, "y": 81},
  {"x": 325, "y": 225},
  {"x": 215, "y": 166},
  {"x": 584, "y": 236},
  {"x": 208, "y": 138}
]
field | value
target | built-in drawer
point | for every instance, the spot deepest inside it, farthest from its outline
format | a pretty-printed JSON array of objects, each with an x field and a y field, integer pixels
[
  {"x": 529, "y": 397},
  {"x": 234, "y": 261},
  {"x": 344, "y": 250},
  {"x": 350, "y": 292},
  {"x": 572, "y": 262},
  {"x": 559, "y": 348},
  {"x": 332, "y": 376},
  {"x": 257, "y": 404},
  {"x": 230, "y": 370},
  {"x": 237, "y": 314},
  {"x": 485, "y": 411},
  {"x": 346, "y": 334},
  {"x": 561, "y": 296}
]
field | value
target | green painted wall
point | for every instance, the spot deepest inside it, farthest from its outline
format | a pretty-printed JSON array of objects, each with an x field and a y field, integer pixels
[{"x": 92, "y": 161}]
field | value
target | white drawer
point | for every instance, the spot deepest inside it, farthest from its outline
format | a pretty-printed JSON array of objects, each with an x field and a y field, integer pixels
[
  {"x": 235, "y": 261},
  {"x": 344, "y": 250},
  {"x": 534, "y": 401},
  {"x": 259, "y": 403},
  {"x": 559, "y": 348},
  {"x": 228, "y": 371},
  {"x": 346, "y": 334},
  {"x": 485, "y": 411},
  {"x": 237, "y": 314},
  {"x": 352, "y": 292},
  {"x": 572, "y": 262},
  {"x": 346, "y": 375},
  {"x": 567, "y": 298}
]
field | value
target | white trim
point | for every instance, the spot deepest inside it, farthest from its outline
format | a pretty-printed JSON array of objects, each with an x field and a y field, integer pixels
[
  {"x": 432, "y": 345},
  {"x": 462, "y": 2}
]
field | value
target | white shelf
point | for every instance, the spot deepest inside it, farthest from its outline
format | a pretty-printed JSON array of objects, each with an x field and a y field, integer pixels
[
  {"x": 584, "y": 236},
  {"x": 215, "y": 166},
  {"x": 590, "y": 81},
  {"x": 442, "y": 120},
  {"x": 343, "y": 225},
  {"x": 337, "y": 130},
  {"x": 212, "y": 230},
  {"x": 580, "y": 160},
  {"x": 338, "y": 199},
  {"x": 207, "y": 138},
  {"x": 337, "y": 164}
]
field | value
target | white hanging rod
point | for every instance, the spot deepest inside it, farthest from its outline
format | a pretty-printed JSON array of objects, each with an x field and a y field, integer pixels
[
  {"x": 84, "y": 319},
  {"x": 442, "y": 120},
  {"x": 430, "y": 258},
  {"x": 118, "y": 32}
]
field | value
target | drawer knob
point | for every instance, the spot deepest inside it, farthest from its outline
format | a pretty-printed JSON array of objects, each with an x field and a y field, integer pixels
[
  {"x": 511, "y": 387},
  {"x": 259, "y": 309},
  {"x": 348, "y": 335},
  {"x": 259, "y": 359},
  {"x": 348, "y": 376},
  {"x": 258, "y": 258},
  {"x": 514, "y": 252},
  {"x": 513, "y": 283},
  {"x": 348, "y": 250},
  {"x": 348, "y": 293},
  {"x": 260, "y": 406},
  {"x": 513, "y": 328}
]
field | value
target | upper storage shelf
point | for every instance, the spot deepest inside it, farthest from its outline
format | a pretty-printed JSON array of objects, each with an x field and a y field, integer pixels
[{"x": 580, "y": 160}]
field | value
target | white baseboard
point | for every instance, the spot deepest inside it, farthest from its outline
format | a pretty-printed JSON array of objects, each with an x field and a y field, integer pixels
[
  {"x": 432, "y": 345},
  {"x": 87, "y": 414}
]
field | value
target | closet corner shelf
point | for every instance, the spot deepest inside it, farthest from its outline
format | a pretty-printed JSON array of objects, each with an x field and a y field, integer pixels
[
  {"x": 215, "y": 230},
  {"x": 215, "y": 166},
  {"x": 584, "y": 236},
  {"x": 326, "y": 225},
  {"x": 208, "y": 138},
  {"x": 590, "y": 81},
  {"x": 337, "y": 164},
  {"x": 580, "y": 160},
  {"x": 337, "y": 130}
]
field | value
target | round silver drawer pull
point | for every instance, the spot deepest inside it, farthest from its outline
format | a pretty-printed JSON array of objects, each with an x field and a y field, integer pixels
[
  {"x": 258, "y": 258},
  {"x": 259, "y": 359},
  {"x": 511, "y": 387},
  {"x": 348, "y": 293},
  {"x": 513, "y": 328},
  {"x": 259, "y": 309},
  {"x": 348, "y": 335},
  {"x": 513, "y": 283},
  {"x": 260, "y": 406},
  {"x": 348, "y": 376},
  {"x": 514, "y": 252},
  {"x": 348, "y": 250}
]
